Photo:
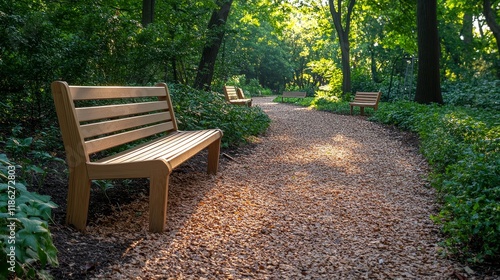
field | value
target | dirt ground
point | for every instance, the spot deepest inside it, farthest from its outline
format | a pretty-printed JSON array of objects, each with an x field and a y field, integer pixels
[{"x": 320, "y": 196}]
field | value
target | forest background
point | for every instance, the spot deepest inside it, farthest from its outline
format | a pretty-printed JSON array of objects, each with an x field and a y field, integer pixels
[{"x": 263, "y": 46}]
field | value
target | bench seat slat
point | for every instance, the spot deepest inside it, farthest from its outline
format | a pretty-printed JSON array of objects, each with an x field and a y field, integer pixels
[
  {"x": 107, "y": 142},
  {"x": 112, "y": 92},
  {"x": 169, "y": 147},
  {"x": 95, "y": 129},
  {"x": 111, "y": 111},
  {"x": 148, "y": 150}
]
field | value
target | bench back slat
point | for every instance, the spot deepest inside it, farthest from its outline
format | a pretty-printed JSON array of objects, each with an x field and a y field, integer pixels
[
  {"x": 367, "y": 97},
  {"x": 100, "y": 128},
  {"x": 111, "y": 111},
  {"x": 110, "y": 92},
  {"x": 114, "y": 140},
  {"x": 122, "y": 120},
  {"x": 230, "y": 92}
]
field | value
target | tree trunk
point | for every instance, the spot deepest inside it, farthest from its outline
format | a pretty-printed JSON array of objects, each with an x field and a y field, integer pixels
[
  {"x": 466, "y": 31},
  {"x": 490, "y": 16},
  {"x": 343, "y": 34},
  {"x": 216, "y": 31},
  {"x": 148, "y": 11},
  {"x": 428, "y": 81}
]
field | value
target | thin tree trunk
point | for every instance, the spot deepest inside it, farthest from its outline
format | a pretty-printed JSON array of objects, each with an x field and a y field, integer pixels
[
  {"x": 490, "y": 16},
  {"x": 343, "y": 34},
  {"x": 467, "y": 29},
  {"x": 216, "y": 27},
  {"x": 148, "y": 11},
  {"x": 428, "y": 81},
  {"x": 491, "y": 21}
]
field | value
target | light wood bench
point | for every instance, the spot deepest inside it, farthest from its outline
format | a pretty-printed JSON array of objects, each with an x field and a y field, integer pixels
[
  {"x": 87, "y": 130},
  {"x": 293, "y": 94},
  {"x": 235, "y": 95},
  {"x": 365, "y": 99}
]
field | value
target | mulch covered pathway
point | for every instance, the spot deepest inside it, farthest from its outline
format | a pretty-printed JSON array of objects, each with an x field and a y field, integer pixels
[{"x": 320, "y": 196}]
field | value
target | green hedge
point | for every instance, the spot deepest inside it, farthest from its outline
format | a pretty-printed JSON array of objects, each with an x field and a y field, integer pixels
[{"x": 199, "y": 110}]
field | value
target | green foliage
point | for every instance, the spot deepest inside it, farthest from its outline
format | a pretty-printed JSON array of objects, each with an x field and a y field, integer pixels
[
  {"x": 200, "y": 110},
  {"x": 326, "y": 102},
  {"x": 463, "y": 147},
  {"x": 478, "y": 93},
  {"x": 250, "y": 87},
  {"x": 30, "y": 154},
  {"x": 25, "y": 239}
]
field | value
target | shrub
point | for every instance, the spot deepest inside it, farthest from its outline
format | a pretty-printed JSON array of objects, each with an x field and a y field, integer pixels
[
  {"x": 476, "y": 94},
  {"x": 25, "y": 239},
  {"x": 199, "y": 110}
]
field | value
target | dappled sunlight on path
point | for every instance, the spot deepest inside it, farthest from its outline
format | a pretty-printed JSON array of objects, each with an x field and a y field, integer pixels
[{"x": 321, "y": 196}]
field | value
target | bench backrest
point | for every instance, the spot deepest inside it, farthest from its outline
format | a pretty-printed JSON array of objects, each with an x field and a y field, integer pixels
[
  {"x": 88, "y": 127},
  {"x": 231, "y": 93},
  {"x": 294, "y": 94},
  {"x": 367, "y": 97},
  {"x": 240, "y": 93}
]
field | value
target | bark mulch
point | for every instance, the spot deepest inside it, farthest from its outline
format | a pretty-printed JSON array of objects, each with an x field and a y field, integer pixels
[{"x": 320, "y": 196}]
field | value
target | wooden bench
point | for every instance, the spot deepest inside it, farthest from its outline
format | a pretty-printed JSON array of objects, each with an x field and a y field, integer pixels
[
  {"x": 89, "y": 129},
  {"x": 235, "y": 95},
  {"x": 365, "y": 99},
  {"x": 293, "y": 94}
]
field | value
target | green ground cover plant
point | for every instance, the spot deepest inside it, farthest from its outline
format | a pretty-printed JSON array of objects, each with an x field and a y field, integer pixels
[
  {"x": 24, "y": 226},
  {"x": 199, "y": 110}
]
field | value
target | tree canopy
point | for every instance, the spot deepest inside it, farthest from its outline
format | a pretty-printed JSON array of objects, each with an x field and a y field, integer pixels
[{"x": 292, "y": 44}]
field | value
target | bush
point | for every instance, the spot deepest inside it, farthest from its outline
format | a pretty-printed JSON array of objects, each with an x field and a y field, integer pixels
[
  {"x": 199, "y": 110},
  {"x": 476, "y": 94},
  {"x": 25, "y": 238}
]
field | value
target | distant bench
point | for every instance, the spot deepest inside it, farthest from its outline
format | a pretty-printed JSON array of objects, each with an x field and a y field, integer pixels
[
  {"x": 365, "y": 99},
  {"x": 89, "y": 128},
  {"x": 235, "y": 95},
  {"x": 293, "y": 94}
]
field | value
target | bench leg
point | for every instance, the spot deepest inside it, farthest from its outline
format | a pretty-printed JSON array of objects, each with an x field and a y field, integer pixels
[
  {"x": 78, "y": 198},
  {"x": 362, "y": 110},
  {"x": 213, "y": 157},
  {"x": 158, "y": 197},
  {"x": 351, "y": 109}
]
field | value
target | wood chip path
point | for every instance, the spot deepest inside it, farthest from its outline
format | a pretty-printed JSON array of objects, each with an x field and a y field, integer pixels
[{"x": 320, "y": 196}]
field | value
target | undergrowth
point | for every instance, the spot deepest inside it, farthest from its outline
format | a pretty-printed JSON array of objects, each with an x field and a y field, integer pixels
[{"x": 196, "y": 109}]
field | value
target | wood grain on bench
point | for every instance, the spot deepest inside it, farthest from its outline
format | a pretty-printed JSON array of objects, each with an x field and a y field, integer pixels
[
  {"x": 95, "y": 128},
  {"x": 365, "y": 99}
]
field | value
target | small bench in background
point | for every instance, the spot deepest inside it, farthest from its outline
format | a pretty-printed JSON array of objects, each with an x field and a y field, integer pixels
[
  {"x": 92, "y": 127},
  {"x": 235, "y": 95},
  {"x": 293, "y": 94},
  {"x": 365, "y": 99}
]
